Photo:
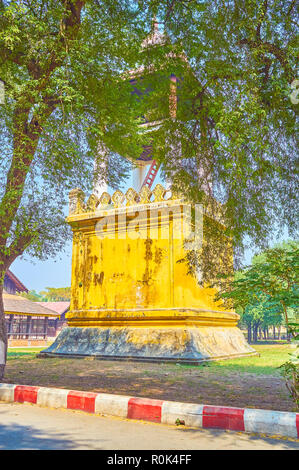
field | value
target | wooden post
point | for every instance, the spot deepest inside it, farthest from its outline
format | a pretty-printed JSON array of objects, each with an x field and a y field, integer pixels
[
  {"x": 28, "y": 329},
  {"x": 10, "y": 325},
  {"x": 45, "y": 327},
  {"x": 56, "y": 325}
]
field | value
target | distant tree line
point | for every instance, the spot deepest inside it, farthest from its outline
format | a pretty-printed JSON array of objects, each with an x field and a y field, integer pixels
[
  {"x": 266, "y": 294},
  {"x": 264, "y": 322},
  {"x": 51, "y": 294}
]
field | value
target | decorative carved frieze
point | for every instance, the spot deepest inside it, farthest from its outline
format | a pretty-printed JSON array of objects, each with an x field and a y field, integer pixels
[
  {"x": 76, "y": 201},
  {"x": 131, "y": 197},
  {"x": 117, "y": 200}
]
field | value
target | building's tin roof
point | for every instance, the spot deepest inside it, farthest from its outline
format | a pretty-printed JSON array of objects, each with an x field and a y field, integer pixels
[
  {"x": 16, "y": 304},
  {"x": 59, "y": 307}
]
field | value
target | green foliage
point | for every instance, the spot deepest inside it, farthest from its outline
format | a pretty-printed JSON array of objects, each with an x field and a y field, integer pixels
[
  {"x": 290, "y": 369},
  {"x": 267, "y": 293},
  {"x": 51, "y": 294},
  {"x": 32, "y": 295},
  {"x": 241, "y": 123},
  {"x": 270, "y": 283},
  {"x": 60, "y": 63}
]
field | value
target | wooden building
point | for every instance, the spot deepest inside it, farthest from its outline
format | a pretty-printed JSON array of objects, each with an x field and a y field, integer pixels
[
  {"x": 12, "y": 285},
  {"x": 55, "y": 325},
  {"x": 30, "y": 323},
  {"x": 26, "y": 321}
]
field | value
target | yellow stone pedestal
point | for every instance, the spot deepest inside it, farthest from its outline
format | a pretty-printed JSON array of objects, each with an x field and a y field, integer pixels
[{"x": 132, "y": 296}]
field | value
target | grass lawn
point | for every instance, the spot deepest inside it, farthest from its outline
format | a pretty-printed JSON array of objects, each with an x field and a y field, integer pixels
[
  {"x": 271, "y": 357},
  {"x": 14, "y": 353},
  {"x": 252, "y": 382}
]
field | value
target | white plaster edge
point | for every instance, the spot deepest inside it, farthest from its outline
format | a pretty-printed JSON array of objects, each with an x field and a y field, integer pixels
[
  {"x": 7, "y": 392},
  {"x": 114, "y": 405},
  {"x": 190, "y": 413},
  {"x": 52, "y": 397}
]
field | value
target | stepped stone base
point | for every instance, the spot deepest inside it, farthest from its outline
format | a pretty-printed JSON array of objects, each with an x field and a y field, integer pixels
[{"x": 189, "y": 345}]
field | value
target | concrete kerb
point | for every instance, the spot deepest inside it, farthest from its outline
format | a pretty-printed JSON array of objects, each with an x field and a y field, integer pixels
[{"x": 279, "y": 423}]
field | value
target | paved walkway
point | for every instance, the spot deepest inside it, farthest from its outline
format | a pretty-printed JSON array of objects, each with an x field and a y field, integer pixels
[{"x": 26, "y": 426}]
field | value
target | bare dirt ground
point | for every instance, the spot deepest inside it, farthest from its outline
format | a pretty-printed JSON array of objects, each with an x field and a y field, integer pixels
[{"x": 247, "y": 382}]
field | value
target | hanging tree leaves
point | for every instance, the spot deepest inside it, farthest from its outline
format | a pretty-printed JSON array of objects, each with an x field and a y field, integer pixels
[{"x": 236, "y": 121}]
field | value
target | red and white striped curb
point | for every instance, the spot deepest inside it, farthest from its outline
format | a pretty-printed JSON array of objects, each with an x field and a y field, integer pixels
[{"x": 202, "y": 416}]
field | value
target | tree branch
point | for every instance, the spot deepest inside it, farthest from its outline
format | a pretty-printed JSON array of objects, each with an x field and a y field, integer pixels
[
  {"x": 17, "y": 247},
  {"x": 274, "y": 50},
  {"x": 26, "y": 135}
]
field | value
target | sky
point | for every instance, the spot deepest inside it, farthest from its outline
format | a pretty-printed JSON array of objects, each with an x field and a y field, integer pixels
[{"x": 37, "y": 275}]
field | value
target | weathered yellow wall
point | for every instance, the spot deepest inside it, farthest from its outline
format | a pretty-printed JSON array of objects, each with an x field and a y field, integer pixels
[
  {"x": 131, "y": 297},
  {"x": 138, "y": 279}
]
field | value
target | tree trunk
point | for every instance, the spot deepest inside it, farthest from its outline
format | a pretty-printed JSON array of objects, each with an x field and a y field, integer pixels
[
  {"x": 249, "y": 333},
  {"x": 260, "y": 334},
  {"x": 274, "y": 332},
  {"x": 3, "y": 336},
  {"x": 29, "y": 118},
  {"x": 255, "y": 332}
]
